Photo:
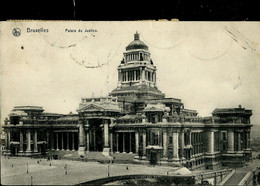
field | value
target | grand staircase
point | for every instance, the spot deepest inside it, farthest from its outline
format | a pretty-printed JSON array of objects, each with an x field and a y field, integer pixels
[{"x": 94, "y": 156}]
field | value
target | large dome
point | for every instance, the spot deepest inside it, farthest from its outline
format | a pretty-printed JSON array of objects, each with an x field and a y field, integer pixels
[{"x": 137, "y": 44}]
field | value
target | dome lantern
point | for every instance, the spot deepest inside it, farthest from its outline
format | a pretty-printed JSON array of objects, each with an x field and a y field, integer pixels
[
  {"x": 136, "y": 36},
  {"x": 137, "y": 43}
]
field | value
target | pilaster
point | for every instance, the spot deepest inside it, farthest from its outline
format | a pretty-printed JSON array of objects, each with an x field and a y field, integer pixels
[{"x": 165, "y": 145}]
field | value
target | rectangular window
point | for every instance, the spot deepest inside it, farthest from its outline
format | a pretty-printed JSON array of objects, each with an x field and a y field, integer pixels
[
  {"x": 224, "y": 136},
  {"x": 155, "y": 139},
  {"x": 170, "y": 140}
]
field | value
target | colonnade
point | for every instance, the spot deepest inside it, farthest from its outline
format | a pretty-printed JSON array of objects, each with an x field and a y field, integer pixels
[
  {"x": 30, "y": 139},
  {"x": 140, "y": 143},
  {"x": 233, "y": 144},
  {"x": 137, "y": 56},
  {"x": 64, "y": 141},
  {"x": 136, "y": 75},
  {"x": 124, "y": 142},
  {"x": 238, "y": 141},
  {"x": 131, "y": 141}
]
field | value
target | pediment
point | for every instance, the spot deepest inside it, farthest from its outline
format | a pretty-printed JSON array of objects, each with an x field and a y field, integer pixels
[{"x": 91, "y": 108}]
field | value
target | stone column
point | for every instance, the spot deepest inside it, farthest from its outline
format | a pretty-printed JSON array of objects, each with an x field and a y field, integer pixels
[
  {"x": 68, "y": 142},
  {"x": 87, "y": 141},
  {"x": 160, "y": 139},
  {"x": 239, "y": 141},
  {"x": 230, "y": 141},
  {"x": 119, "y": 75},
  {"x": 246, "y": 139},
  {"x": 141, "y": 71},
  {"x": 57, "y": 141},
  {"x": 190, "y": 138},
  {"x": 48, "y": 139},
  {"x": 73, "y": 141},
  {"x": 62, "y": 141},
  {"x": 94, "y": 137},
  {"x": 117, "y": 142},
  {"x": 211, "y": 142},
  {"x": 81, "y": 150},
  {"x": 123, "y": 142},
  {"x": 165, "y": 145},
  {"x": 6, "y": 140},
  {"x": 144, "y": 145},
  {"x": 137, "y": 145},
  {"x": 130, "y": 142},
  {"x": 126, "y": 74},
  {"x": 106, "y": 134},
  {"x": 143, "y": 75},
  {"x": 21, "y": 141},
  {"x": 182, "y": 144},
  {"x": 106, "y": 149},
  {"x": 9, "y": 138},
  {"x": 134, "y": 75},
  {"x": 175, "y": 143},
  {"x": 249, "y": 144},
  {"x": 35, "y": 142},
  {"x": 136, "y": 142},
  {"x": 52, "y": 141},
  {"x": 28, "y": 141},
  {"x": 111, "y": 142}
]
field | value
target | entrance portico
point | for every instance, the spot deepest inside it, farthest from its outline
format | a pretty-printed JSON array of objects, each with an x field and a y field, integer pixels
[{"x": 96, "y": 116}]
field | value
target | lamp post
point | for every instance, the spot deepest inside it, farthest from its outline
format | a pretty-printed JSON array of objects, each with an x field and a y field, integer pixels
[
  {"x": 31, "y": 180},
  {"x": 27, "y": 169},
  {"x": 108, "y": 170}
]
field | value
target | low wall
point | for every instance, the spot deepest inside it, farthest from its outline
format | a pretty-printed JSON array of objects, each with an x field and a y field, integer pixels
[
  {"x": 251, "y": 177},
  {"x": 162, "y": 179},
  {"x": 214, "y": 178}
]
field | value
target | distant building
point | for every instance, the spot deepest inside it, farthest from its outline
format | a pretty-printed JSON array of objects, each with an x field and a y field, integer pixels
[{"x": 135, "y": 118}]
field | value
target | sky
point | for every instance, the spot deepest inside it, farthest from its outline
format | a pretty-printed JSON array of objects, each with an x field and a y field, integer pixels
[{"x": 207, "y": 65}]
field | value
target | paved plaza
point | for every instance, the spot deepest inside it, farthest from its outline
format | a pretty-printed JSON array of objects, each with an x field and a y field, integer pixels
[{"x": 14, "y": 171}]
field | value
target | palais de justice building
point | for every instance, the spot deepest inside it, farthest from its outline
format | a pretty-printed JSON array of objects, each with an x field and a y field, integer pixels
[{"x": 135, "y": 117}]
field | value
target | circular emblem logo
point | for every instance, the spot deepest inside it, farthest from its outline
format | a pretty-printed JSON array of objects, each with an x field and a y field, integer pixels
[{"x": 16, "y": 32}]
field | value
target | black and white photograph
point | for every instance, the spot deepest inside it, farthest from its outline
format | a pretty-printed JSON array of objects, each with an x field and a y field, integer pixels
[{"x": 130, "y": 103}]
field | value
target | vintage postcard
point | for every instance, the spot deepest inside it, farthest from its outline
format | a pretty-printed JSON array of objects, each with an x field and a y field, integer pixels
[{"x": 130, "y": 102}]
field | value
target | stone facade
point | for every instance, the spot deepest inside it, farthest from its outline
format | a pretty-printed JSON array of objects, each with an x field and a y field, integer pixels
[{"x": 135, "y": 117}]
